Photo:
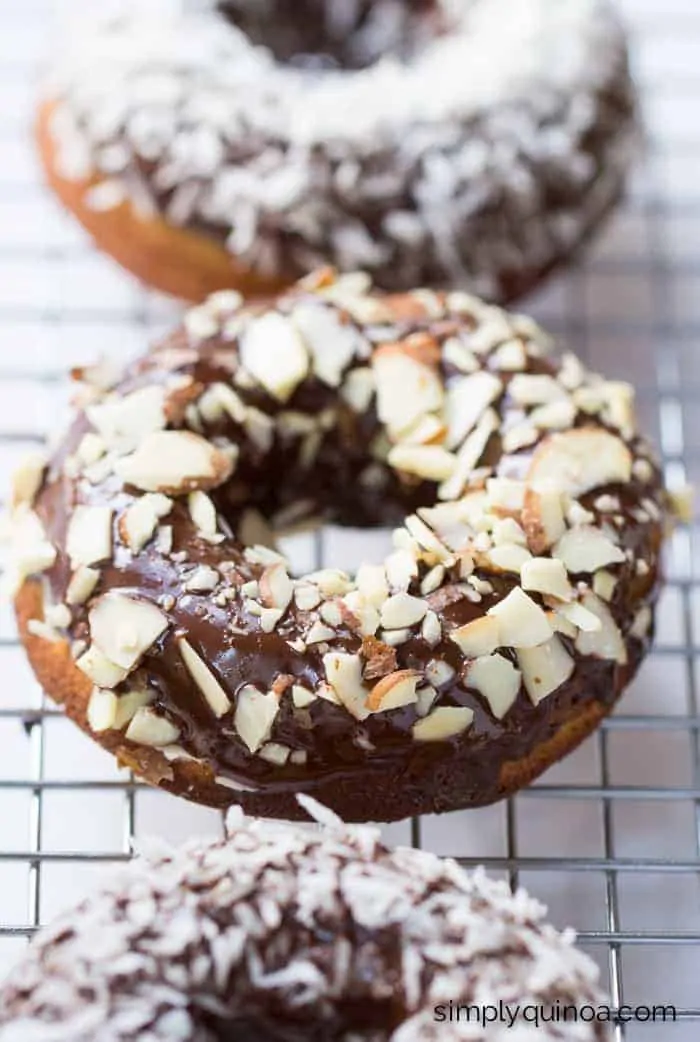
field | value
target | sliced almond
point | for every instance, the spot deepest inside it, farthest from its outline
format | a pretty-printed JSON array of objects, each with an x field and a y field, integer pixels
[
  {"x": 506, "y": 494},
  {"x": 457, "y": 354},
  {"x": 604, "y": 584},
  {"x": 443, "y": 723},
  {"x": 431, "y": 629},
  {"x": 101, "y": 710},
  {"x": 430, "y": 462},
  {"x": 545, "y": 668},
  {"x": 128, "y": 705},
  {"x": 203, "y": 513},
  {"x": 428, "y": 430},
  {"x": 125, "y": 420},
  {"x": 528, "y": 389},
  {"x": 89, "y": 535},
  {"x": 426, "y": 538},
  {"x": 579, "y": 460},
  {"x": 402, "y": 610},
  {"x": 496, "y": 679},
  {"x": 469, "y": 455},
  {"x": 205, "y": 680},
  {"x": 510, "y": 357},
  {"x": 302, "y": 697},
  {"x": 255, "y": 714},
  {"x": 580, "y": 617},
  {"x": 276, "y": 588},
  {"x": 331, "y": 343},
  {"x": 406, "y": 389},
  {"x": 543, "y": 519},
  {"x": 400, "y": 569},
  {"x": 438, "y": 672},
  {"x": 175, "y": 462},
  {"x": 202, "y": 580},
  {"x": 358, "y": 389},
  {"x": 555, "y": 416},
  {"x": 508, "y": 557},
  {"x": 477, "y": 638},
  {"x": 344, "y": 674},
  {"x": 124, "y": 628},
  {"x": 274, "y": 353},
  {"x": 82, "y": 583},
  {"x": 103, "y": 672},
  {"x": 546, "y": 575},
  {"x": 149, "y": 728},
  {"x": 587, "y": 549},
  {"x": 607, "y": 642},
  {"x": 140, "y": 520},
  {"x": 466, "y": 400},
  {"x": 393, "y": 691},
  {"x": 27, "y": 478},
  {"x": 522, "y": 623}
]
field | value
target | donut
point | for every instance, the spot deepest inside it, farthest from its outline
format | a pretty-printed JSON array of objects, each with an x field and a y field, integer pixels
[
  {"x": 286, "y": 933},
  {"x": 429, "y": 142},
  {"x": 511, "y": 613}
]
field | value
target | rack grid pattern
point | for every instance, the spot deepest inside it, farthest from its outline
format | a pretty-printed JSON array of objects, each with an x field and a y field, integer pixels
[{"x": 610, "y": 838}]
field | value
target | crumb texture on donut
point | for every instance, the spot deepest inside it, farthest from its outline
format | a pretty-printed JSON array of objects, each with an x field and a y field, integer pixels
[
  {"x": 295, "y": 934},
  {"x": 512, "y": 611},
  {"x": 430, "y": 143}
]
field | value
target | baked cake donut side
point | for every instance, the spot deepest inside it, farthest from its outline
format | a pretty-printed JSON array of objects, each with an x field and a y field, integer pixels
[
  {"x": 199, "y": 159},
  {"x": 284, "y": 933},
  {"x": 511, "y": 614}
]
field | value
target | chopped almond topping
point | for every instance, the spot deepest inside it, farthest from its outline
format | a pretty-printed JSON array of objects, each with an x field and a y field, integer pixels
[
  {"x": 274, "y": 353},
  {"x": 276, "y": 588},
  {"x": 176, "y": 462},
  {"x": 587, "y": 549},
  {"x": 82, "y": 583},
  {"x": 546, "y": 575},
  {"x": 443, "y": 723},
  {"x": 393, "y": 691},
  {"x": 406, "y": 389},
  {"x": 124, "y": 628},
  {"x": 205, "y": 680},
  {"x": 522, "y": 623},
  {"x": 89, "y": 536},
  {"x": 255, "y": 714},
  {"x": 467, "y": 399},
  {"x": 477, "y": 638},
  {"x": 607, "y": 642},
  {"x": 579, "y": 460},
  {"x": 148, "y": 728},
  {"x": 379, "y": 658},
  {"x": 124, "y": 420},
  {"x": 101, "y": 710},
  {"x": 543, "y": 519},
  {"x": 402, "y": 610},
  {"x": 545, "y": 668},
  {"x": 469, "y": 455},
  {"x": 344, "y": 674},
  {"x": 95, "y": 665},
  {"x": 203, "y": 513},
  {"x": 331, "y": 344},
  {"x": 430, "y": 462},
  {"x": 496, "y": 679},
  {"x": 139, "y": 521}
]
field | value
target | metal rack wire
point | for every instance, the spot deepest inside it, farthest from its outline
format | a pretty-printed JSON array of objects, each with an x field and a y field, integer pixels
[{"x": 610, "y": 839}]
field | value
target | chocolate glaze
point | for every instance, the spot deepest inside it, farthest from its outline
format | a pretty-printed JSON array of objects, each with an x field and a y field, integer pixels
[{"x": 369, "y": 769}]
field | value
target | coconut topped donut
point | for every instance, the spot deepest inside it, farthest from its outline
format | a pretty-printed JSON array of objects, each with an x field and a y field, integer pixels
[
  {"x": 287, "y": 933},
  {"x": 428, "y": 142},
  {"x": 511, "y": 613}
]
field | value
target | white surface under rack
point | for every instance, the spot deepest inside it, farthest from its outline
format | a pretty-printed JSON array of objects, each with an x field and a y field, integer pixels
[{"x": 610, "y": 838}]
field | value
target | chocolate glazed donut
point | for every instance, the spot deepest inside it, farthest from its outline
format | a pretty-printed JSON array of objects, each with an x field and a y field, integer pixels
[
  {"x": 510, "y": 616},
  {"x": 283, "y": 934},
  {"x": 473, "y": 144}
]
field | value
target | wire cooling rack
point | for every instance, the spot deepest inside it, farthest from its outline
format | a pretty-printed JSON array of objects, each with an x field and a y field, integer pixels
[{"x": 610, "y": 838}]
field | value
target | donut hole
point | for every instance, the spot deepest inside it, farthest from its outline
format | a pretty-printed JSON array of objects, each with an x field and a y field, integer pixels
[{"x": 335, "y": 34}]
